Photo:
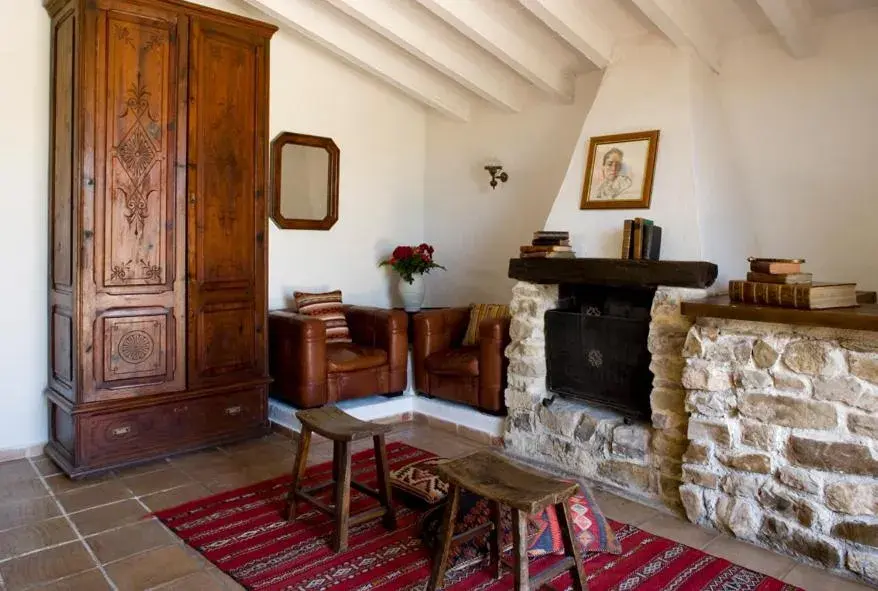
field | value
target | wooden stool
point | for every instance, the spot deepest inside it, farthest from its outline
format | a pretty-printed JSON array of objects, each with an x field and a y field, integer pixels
[
  {"x": 342, "y": 429},
  {"x": 525, "y": 491}
]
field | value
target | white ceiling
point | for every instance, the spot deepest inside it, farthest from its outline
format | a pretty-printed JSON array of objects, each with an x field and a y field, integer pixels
[{"x": 448, "y": 54}]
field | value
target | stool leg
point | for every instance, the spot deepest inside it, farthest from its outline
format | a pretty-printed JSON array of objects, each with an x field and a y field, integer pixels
[
  {"x": 495, "y": 537},
  {"x": 337, "y": 452},
  {"x": 440, "y": 559},
  {"x": 519, "y": 537},
  {"x": 384, "y": 494},
  {"x": 298, "y": 471},
  {"x": 571, "y": 547},
  {"x": 342, "y": 498}
]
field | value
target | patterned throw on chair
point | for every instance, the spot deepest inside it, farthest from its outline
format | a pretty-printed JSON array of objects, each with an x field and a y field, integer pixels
[{"x": 327, "y": 307}]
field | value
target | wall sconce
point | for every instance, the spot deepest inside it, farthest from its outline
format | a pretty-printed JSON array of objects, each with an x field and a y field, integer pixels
[{"x": 494, "y": 169}]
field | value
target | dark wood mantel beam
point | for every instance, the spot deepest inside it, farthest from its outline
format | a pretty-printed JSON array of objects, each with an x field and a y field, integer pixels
[{"x": 614, "y": 272}]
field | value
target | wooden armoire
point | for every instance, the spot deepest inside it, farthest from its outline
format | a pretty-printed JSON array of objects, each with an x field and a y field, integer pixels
[{"x": 157, "y": 230}]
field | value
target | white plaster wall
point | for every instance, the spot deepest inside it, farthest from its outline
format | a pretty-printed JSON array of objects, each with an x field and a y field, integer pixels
[
  {"x": 646, "y": 87},
  {"x": 475, "y": 229},
  {"x": 805, "y": 133},
  {"x": 24, "y": 127}
]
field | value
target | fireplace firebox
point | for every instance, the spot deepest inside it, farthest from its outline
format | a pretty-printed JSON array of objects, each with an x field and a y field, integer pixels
[{"x": 596, "y": 347}]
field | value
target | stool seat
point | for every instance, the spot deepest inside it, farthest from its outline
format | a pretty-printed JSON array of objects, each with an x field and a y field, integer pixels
[
  {"x": 341, "y": 428},
  {"x": 492, "y": 476},
  {"x": 525, "y": 491},
  {"x": 337, "y": 425}
]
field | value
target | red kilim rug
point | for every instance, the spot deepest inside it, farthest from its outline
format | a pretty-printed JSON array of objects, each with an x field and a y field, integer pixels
[{"x": 243, "y": 533}]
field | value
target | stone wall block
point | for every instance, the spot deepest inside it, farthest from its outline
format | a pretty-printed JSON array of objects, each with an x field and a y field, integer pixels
[
  {"x": 670, "y": 399},
  {"x": 860, "y": 345},
  {"x": 711, "y": 404},
  {"x": 537, "y": 291},
  {"x": 669, "y": 421},
  {"x": 764, "y": 355},
  {"x": 665, "y": 445},
  {"x": 693, "y": 503},
  {"x": 775, "y": 498},
  {"x": 667, "y": 370},
  {"x": 753, "y": 462},
  {"x": 526, "y": 367},
  {"x": 865, "y": 425},
  {"x": 702, "y": 477},
  {"x": 859, "y": 532},
  {"x": 803, "y": 480},
  {"x": 788, "y": 381},
  {"x": 848, "y": 390},
  {"x": 814, "y": 358},
  {"x": 752, "y": 379},
  {"x": 864, "y": 366},
  {"x": 698, "y": 453},
  {"x": 705, "y": 432},
  {"x": 797, "y": 541},
  {"x": 631, "y": 441},
  {"x": 521, "y": 421},
  {"x": 743, "y": 485},
  {"x": 530, "y": 385},
  {"x": 760, "y": 435},
  {"x": 561, "y": 417},
  {"x": 864, "y": 564},
  {"x": 831, "y": 456},
  {"x": 700, "y": 375},
  {"x": 743, "y": 518},
  {"x": 692, "y": 346},
  {"x": 665, "y": 341},
  {"x": 669, "y": 467},
  {"x": 788, "y": 411},
  {"x": 586, "y": 428},
  {"x": 853, "y": 498},
  {"x": 626, "y": 474},
  {"x": 518, "y": 399}
]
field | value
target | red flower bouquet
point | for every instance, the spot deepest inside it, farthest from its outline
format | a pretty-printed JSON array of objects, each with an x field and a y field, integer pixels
[{"x": 409, "y": 261}]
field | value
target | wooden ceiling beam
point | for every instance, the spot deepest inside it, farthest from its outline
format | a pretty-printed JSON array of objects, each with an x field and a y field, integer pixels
[
  {"x": 794, "y": 22},
  {"x": 574, "y": 23}
]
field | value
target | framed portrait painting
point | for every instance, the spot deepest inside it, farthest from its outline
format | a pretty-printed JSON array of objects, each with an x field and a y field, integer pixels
[{"x": 619, "y": 171}]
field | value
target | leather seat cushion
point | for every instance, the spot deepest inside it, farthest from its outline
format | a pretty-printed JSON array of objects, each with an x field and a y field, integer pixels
[
  {"x": 351, "y": 357},
  {"x": 463, "y": 361}
]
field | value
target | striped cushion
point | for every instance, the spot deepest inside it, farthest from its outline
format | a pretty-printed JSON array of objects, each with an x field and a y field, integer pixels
[
  {"x": 326, "y": 307},
  {"x": 479, "y": 312}
]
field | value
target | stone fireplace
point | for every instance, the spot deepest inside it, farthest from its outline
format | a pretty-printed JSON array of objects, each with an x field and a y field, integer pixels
[
  {"x": 641, "y": 456},
  {"x": 765, "y": 431}
]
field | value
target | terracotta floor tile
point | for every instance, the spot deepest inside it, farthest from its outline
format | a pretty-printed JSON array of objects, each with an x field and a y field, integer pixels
[
  {"x": 132, "y": 539},
  {"x": 241, "y": 478},
  {"x": 101, "y": 494},
  {"x": 90, "y": 580},
  {"x": 226, "y": 583},
  {"x": 15, "y": 471},
  {"x": 200, "y": 581},
  {"x": 151, "y": 569},
  {"x": 814, "y": 579},
  {"x": 680, "y": 531},
  {"x": 24, "y": 512},
  {"x": 98, "y": 519},
  {"x": 35, "y": 536},
  {"x": 175, "y": 496},
  {"x": 751, "y": 556},
  {"x": 142, "y": 469},
  {"x": 18, "y": 490},
  {"x": 45, "y": 566},
  {"x": 46, "y": 466},
  {"x": 198, "y": 459},
  {"x": 61, "y": 483},
  {"x": 624, "y": 510},
  {"x": 163, "y": 479}
]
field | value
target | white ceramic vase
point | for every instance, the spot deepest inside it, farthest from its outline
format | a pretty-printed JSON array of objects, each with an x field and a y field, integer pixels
[{"x": 412, "y": 294}]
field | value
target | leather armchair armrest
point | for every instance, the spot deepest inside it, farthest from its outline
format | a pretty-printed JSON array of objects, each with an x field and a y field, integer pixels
[
  {"x": 297, "y": 357},
  {"x": 493, "y": 340},
  {"x": 383, "y": 329},
  {"x": 435, "y": 330}
]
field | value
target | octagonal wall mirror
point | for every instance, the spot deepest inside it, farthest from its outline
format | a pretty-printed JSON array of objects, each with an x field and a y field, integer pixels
[{"x": 304, "y": 181}]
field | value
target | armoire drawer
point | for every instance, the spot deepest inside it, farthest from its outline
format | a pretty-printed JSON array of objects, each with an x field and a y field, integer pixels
[{"x": 165, "y": 427}]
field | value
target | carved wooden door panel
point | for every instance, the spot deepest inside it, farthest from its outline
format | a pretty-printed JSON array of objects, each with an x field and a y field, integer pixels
[
  {"x": 134, "y": 284},
  {"x": 226, "y": 214}
]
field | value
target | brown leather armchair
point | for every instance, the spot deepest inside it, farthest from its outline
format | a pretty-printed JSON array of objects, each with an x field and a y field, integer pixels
[
  {"x": 474, "y": 375},
  {"x": 309, "y": 372}
]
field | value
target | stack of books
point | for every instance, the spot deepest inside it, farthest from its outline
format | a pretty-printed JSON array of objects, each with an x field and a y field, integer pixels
[
  {"x": 641, "y": 239},
  {"x": 781, "y": 282},
  {"x": 549, "y": 244}
]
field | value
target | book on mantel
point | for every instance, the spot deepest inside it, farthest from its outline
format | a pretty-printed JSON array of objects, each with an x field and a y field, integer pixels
[
  {"x": 548, "y": 244},
  {"x": 806, "y": 296}
]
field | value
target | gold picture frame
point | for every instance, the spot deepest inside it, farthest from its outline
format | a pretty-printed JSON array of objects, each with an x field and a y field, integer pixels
[{"x": 623, "y": 179}]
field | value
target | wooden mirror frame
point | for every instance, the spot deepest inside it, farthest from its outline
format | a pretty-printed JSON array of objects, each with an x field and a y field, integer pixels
[{"x": 314, "y": 141}]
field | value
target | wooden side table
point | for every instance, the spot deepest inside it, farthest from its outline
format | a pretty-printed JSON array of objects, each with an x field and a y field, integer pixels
[
  {"x": 525, "y": 491},
  {"x": 342, "y": 429}
]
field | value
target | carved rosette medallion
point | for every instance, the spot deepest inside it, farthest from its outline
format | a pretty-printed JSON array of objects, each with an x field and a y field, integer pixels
[{"x": 135, "y": 347}]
